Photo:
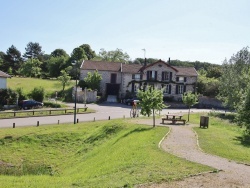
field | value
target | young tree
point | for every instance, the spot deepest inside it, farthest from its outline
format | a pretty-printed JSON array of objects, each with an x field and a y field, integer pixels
[
  {"x": 114, "y": 56},
  {"x": 13, "y": 59},
  {"x": 31, "y": 68},
  {"x": 93, "y": 80},
  {"x": 151, "y": 101},
  {"x": 189, "y": 99},
  {"x": 33, "y": 51},
  {"x": 88, "y": 51},
  {"x": 64, "y": 79},
  {"x": 38, "y": 94}
]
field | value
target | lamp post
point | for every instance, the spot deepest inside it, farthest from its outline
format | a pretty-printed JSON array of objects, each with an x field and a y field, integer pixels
[{"x": 74, "y": 64}]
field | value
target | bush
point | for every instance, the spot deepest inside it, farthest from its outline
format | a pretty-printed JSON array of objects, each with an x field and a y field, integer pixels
[
  {"x": 7, "y": 96},
  {"x": 38, "y": 94},
  {"x": 52, "y": 105}
]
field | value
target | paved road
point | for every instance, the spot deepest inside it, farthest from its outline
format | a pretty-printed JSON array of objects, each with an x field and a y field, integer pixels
[{"x": 103, "y": 112}]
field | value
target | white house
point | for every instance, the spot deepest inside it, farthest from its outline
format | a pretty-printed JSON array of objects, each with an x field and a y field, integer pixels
[{"x": 3, "y": 80}]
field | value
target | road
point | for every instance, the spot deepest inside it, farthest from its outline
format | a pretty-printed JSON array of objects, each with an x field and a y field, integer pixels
[{"x": 103, "y": 112}]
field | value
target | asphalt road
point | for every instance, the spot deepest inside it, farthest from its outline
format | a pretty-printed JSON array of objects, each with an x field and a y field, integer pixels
[{"x": 104, "y": 111}]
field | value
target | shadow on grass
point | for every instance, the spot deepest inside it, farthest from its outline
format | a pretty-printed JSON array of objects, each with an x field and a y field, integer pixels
[
  {"x": 136, "y": 130},
  {"x": 224, "y": 116},
  {"x": 244, "y": 140}
]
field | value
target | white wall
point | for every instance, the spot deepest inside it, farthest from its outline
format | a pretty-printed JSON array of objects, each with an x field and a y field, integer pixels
[{"x": 3, "y": 83}]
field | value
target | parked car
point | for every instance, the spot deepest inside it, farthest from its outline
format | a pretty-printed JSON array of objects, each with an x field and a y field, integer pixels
[
  {"x": 130, "y": 101},
  {"x": 28, "y": 104}
]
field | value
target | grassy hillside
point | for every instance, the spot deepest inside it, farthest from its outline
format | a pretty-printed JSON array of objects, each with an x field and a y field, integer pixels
[
  {"x": 98, "y": 154},
  {"x": 28, "y": 84}
]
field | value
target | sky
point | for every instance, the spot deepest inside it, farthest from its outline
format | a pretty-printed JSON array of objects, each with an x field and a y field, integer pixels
[{"x": 187, "y": 30}]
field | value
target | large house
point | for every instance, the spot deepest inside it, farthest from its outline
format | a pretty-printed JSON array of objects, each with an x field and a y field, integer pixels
[
  {"x": 120, "y": 78},
  {"x": 3, "y": 80}
]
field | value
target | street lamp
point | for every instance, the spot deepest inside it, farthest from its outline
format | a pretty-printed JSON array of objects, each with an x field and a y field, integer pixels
[{"x": 74, "y": 64}]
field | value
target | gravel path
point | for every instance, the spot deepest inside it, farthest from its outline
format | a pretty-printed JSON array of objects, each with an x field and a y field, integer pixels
[{"x": 182, "y": 142}]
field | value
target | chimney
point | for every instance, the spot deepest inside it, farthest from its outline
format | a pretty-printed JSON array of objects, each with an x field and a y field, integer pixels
[
  {"x": 145, "y": 63},
  {"x": 169, "y": 60}
]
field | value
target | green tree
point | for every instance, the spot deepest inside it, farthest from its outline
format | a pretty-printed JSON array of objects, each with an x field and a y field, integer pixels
[
  {"x": 189, "y": 99},
  {"x": 59, "y": 53},
  {"x": 33, "y": 50},
  {"x": 13, "y": 59},
  {"x": 78, "y": 55},
  {"x": 38, "y": 94},
  {"x": 235, "y": 79},
  {"x": 88, "y": 51},
  {"x": 56, "y": 64},
  {"x": 151, "y": 100},
  {"x": 114, "y": 56},
  {"x": 64, "y": 79},
  {"x": 93, "y": 80},
  {"x": 31, "y": 68}
]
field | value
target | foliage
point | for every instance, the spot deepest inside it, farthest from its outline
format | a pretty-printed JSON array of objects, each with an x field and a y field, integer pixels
[
  {"x": 56, "y": 65},
  {"x": 78, "y": 55},
  {"x": 59, "y": 53},
  {"x": 20, "y": 93},
  {"x": 93, "y": 80},
  {"x": 151, "y": 101},
  {"x": 243, "y": 118},
  {"x": 189, "y": 99},
  {"x": 7, "y": 97},
  {"x": 33, "y": 50},
  {"x": 235, "y": 79},
  {"x": 31, "y": 68},
  {"x": 38, "y": 94},
  {"x": 82, "y": 84},
  {"x": 207, "y": 86},
  {"x": 114, "y": 56},
  {"x": 88, "y": 51},
  {"x": 64, "y": 79},
  {"x": 13, "y": 60}
]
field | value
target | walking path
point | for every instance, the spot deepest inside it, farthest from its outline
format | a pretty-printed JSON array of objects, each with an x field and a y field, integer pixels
[{"x": 182, "y": 142}]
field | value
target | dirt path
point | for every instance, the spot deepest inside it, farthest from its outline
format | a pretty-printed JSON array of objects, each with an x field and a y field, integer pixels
[{"x": 182, "y": 142}]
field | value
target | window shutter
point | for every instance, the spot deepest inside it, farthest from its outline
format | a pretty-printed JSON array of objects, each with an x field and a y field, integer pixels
[
  {"x": 184, "y": 90},
  {"x": 171, "y": 75},
  {"x": 155, "y": 75},
  {"x": 177, "y": 79},
  {"x": 169, "y": 89},
  {"x": 162, "y": 76},
  {"x": 133, "y": 76},
  {"x": 185, "y": 79},
  {"x": 176, "y": 89},
  {"x": 148, "y": 75},
  {"x": 133, "y": 87},
  {"x": 141, "y": 76}
]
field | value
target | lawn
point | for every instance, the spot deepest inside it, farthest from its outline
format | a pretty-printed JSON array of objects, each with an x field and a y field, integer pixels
[
  {"x": 94, "y": 154},
  {"x": 223, "y": 138},
  {"x": 28, "y": 84}
]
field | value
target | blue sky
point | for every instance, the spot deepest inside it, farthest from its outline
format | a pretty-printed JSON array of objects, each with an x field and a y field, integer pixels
[{"x": 202, "y": 30}]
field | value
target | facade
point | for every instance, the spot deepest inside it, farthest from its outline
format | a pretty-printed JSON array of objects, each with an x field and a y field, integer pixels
[
  {"x": 3, "y": 80},
  {"x": 119, "y": 78}
]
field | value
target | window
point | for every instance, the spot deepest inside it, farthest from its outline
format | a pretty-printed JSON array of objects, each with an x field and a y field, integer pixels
[
  {"x": 181, "y": 79},
  {"x": 136, "y": 76},
  {"x": 167, "y": 89},
  {"x": 136, "y": 87},
  {"x": 180, "y": 89},
  {"x": 165, "y": 76},
  {"x": 113, "y": 78},
  {"x": 151, "y": 75}
]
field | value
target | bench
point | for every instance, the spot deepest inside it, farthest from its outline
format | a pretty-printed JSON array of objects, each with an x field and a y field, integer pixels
[{"x": 174, "y": 120}]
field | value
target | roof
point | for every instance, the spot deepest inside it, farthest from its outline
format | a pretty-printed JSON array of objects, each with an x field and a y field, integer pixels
[
  {"x": 186, "y": 71},
  {"x": 4, "y": 75},
  {"x": 110, "y": 66},
  {"x": 132, "y": 68}
]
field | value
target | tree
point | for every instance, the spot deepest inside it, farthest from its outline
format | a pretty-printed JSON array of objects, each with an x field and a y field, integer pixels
[
  {"x": 56, "y": 64},
  {"x": 235, "y": 79},
  {"x": 33, "y": 51},
  {"x": 114, "y": 56},
  {"x": 243, "y": 118},
  {"x": 78, "y": 55},
  {"x": 64, "y": 79},
  {"x": 93, "y": 80},
  {"x": 59, "y": 53},
  {"x": 151, "y": 100},
  {"x": 189, "y": 99},
  {"x": 31, "y": 68},
  {"x": 88, "y": 51},
  {"x": 13, "y": 59}
]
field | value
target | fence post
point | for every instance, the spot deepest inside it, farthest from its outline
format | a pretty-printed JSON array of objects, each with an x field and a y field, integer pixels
[
  {"x": 14, "y": 114},
  {"x": 58, "y": 122},
  {"x": 94, "y": 119},
  {"x": 77, "y": 120},
  {"x": 33, "y": 112},
  {"x": 109, "y": 117},
  {"x": 37, "y": 123},
  {"x": 14, "y": 125}
]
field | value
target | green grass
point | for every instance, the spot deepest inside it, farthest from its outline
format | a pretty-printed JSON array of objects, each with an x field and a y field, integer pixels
[
  {"x": 98, "y": 154},
  {"x": 28, "y": 84},
  {"x": 223, "y": 138}
]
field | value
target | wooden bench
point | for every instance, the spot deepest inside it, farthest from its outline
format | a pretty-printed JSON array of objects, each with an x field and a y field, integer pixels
[{"x": 173, "y": 120}]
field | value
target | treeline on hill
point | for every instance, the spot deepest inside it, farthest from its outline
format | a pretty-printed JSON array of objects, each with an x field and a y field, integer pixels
[{"x": 35, "y": 63}]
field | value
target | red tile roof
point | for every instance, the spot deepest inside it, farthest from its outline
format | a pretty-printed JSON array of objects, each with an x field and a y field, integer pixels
[
  {"x": 132, "y": 68},
  {"x": 4, "y": 75}
]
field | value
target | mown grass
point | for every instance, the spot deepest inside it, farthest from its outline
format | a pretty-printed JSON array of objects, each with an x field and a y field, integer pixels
[
  {"x": 222, "y": 138},
  {"x": 42, "y": 112},
  {"x": 28, "y": 84},
  {"x": 98, "y": 154}
]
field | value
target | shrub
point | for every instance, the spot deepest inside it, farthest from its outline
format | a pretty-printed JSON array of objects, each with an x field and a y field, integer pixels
[{"x": 37, "y": 94}]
